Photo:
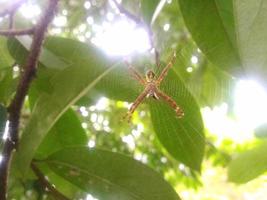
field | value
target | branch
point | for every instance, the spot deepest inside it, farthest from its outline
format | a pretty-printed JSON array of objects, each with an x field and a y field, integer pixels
[
  {"x": 16, "y": 105},
  {"x": 12, "y": 8},
  {"x": 8, "y": 33},
  {"x": 47, "y": 187}
]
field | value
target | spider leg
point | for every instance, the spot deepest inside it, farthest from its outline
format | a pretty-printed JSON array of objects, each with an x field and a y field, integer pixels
[
  {"x": 135, "y": 104},
  {"x": 166, "y": 69},
  {"x": 179, "y": 112},
  {"x": 135, "y": 73}
]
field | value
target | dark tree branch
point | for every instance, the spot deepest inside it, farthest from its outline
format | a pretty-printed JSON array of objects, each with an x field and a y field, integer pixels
[
  {"x": 16, "y": 105},
  {"x": 47, "y": 187},
  {"x": 10, "y": 10},
  {"x": 11, "y": 32}
]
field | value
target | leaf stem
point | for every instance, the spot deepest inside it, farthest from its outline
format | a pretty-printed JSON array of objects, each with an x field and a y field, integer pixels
[{"x": 15, "y": 107}]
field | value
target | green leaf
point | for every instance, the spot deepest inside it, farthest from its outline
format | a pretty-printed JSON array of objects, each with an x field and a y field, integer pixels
[
  {"x": 248, "y": 165},
  {"x": 87, "y": 66},
  {"x": 109, "y": 175},
  {"x": 7, "y": 85},
  {"x": 211, "y": 24},
  {"x": 5, "y": 59},
  {"x": 183, "y": 138},
  {"x": 66, "y": 132},
  {"x": 47, "y": 58},
  {"x": 251, "y": 31},
  {"x": 148, "y": 9}
]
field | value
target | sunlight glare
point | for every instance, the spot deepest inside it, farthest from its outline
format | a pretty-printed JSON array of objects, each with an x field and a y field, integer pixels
[
  {"x": 91, "y": 144},
  {"x": 60, "y": 21},
  {"x": 90, "y": 197},
  {"x": 122, "y": 38},
  {"x": 30, "y": 11},
  {"x": 250, "y": 103},
  {"x": 4, "y": 137},
  {"x": 129, "y": 140},
  {"x": 166, "y": 27},
  {"x": 218, "y": 123}
]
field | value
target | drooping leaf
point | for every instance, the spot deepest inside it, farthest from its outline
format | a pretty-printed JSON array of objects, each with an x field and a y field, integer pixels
[
  {"x": 66, "y": 132},
  {"x": 109, "y": 175},
  {"x": 86, "y": 67},
  {"x": 211, "y": 24},
  {"x": 248, "y": 165},
  {"x": 183, "y": 138}
]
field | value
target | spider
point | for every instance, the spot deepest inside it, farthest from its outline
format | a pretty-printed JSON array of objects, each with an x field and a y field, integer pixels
[{"x": 151, "y": 84}]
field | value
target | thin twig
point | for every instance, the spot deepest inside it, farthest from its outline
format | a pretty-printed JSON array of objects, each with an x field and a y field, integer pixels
[
  {"x": 11, "y": 20},
  {"x": 17, "y": 32},
  {"x": 16, "y": 105},
  {"x": 12, "y": 8},
  {"x": 47, "y": 187}
]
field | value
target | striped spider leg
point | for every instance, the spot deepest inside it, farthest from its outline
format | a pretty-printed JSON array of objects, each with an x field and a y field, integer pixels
[{"x": 151, "y": 84}]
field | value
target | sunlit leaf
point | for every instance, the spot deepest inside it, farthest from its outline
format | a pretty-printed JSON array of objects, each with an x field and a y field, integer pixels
[
  {"x": 248, "y": 165},
  {"x": 87, "y": 66},
  {"x": 211, "y": 24},
  {"x": 5, "y": 59},
  {"x": 109, "y": 175},
  {"x": 183, "y": 138},
  {"x": 251, "y": 31}
]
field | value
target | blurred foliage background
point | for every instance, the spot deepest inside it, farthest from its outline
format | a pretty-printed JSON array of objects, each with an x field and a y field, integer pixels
[{"x": 83, "y": 89}]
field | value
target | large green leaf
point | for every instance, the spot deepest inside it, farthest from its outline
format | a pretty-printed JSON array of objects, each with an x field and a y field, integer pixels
[
  {"x": 183, "y": 138},
  {"x": 248, "y": 165},
  {"x": 211, "y": 23},
  {"x": 109, "y": 175},
  {"x": 66, "y": 132},
  {"x": 86, "y": 67}
]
